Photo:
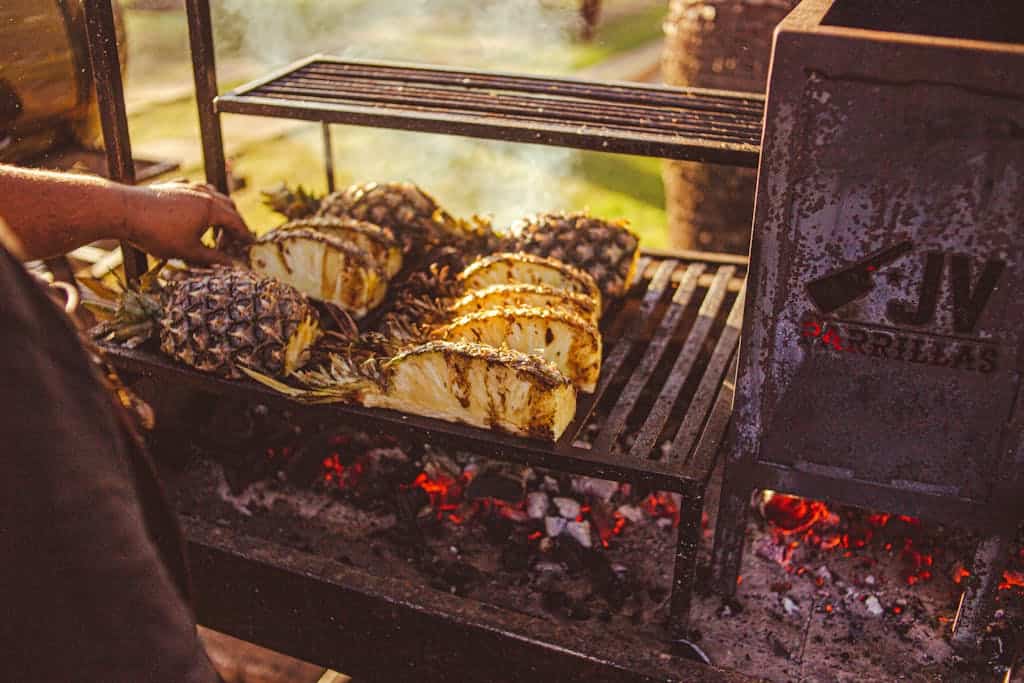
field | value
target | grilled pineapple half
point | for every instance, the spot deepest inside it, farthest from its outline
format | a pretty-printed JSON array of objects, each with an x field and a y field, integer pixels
[
  {"x": 219, "y": 320},
  {"x": 378, "y": 242},
  {"x": 572, "y": 343},
  {"x": 516, "y": 267},
  {"x": 542, "y": 296},
  {"x": 474, "y": 384},
  {"x": 480, "y": 385},
  {"x": 322, "y": 266}
]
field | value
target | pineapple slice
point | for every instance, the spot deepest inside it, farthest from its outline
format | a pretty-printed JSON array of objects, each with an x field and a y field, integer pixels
[
  {"x": 481, "y": 386},
  {"x": 572, "y": 343},
  {"x": 517, "y": 267},
  {"x": 474, "y": 384},
  {"x": 379, "y": 243},
  {"x": 321, "y": 266},
  {"x": 542, "y": 296}
]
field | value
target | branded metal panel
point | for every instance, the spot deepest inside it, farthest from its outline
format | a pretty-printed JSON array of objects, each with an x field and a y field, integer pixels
[{"x": 882, "y": 339}]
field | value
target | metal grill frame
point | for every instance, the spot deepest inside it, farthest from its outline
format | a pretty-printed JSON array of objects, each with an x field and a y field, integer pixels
[
  {"x": 807, "y": 44},
  {"x": 694, "y": 451}
]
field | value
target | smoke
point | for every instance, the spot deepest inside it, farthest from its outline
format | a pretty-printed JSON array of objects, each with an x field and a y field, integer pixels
[{"x": 503, "y": 180}]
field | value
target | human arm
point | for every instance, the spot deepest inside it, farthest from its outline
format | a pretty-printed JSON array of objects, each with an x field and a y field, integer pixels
[{"x": 53, "y": 213}]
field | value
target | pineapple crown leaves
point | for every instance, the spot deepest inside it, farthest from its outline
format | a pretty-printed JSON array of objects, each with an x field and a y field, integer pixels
[
  {"x": 292, "y": 203},
  {"x": 134, "y": 319}
]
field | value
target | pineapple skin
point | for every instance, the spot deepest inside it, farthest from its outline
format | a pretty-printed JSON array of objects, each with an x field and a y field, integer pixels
[
  {"x": 478, "y": 385},
  {"x": 402, "y": 207},
  {"x": 607, "y": 250},
  {"x": 572, "y": 343},
  {"x": 518, "y": 267},
  {"x": 218, "y": 320},
  {"x": 520, "y": 294},
  {"x": 415, "y": 217},
  {"x": 322, "y": 266}
]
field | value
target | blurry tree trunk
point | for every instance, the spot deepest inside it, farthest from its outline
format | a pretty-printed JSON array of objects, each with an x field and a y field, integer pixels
[
  {"x": 722, "y": 44},
  {"x": 590, "y": 12}
]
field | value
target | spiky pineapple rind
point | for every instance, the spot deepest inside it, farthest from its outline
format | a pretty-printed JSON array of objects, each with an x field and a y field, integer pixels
[
  {"x": 558, "y": 335},
  {"x": 525, "y": 294},
  {"x": 606, "y": 249},
  {"x": 220, "y": 320},
  {"x": 326, "y": 224},
  {"x": 475, "y": 275},
  {"x": 534, "y": 367}
]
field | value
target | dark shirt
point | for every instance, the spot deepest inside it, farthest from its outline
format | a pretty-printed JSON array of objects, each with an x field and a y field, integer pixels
[{"x": 92, "y": 577}]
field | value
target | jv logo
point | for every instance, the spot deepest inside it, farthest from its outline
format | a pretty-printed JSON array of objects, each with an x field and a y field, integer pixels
[
  {"x": 854, "y": 281},
  {"x": 968, "y": 302}
]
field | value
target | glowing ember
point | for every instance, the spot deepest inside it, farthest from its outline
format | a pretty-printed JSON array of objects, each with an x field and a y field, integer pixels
[
  {"x": 1012, "y": 579},
  {"x": 661, "y": 504},
  {"x": 338, "y": 474},
  {"x": 791, "y": 515},
  {"x": 959, "y": 573},
  {"x": 445, "y": 492}
]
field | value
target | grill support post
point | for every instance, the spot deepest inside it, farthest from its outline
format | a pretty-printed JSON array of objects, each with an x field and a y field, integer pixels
[
  {"x": 204, "y": 71},
  {"x": 101, "y": 38},
  {"x": 684, "y": 573},
  {"x": 730, "y": 532},
  {"x": 328, "y": 156},
  {"x": 978, "y": 600}
]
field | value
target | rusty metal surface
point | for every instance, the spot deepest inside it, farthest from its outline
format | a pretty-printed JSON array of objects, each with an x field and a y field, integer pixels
[
  {"x": 204, "y": 72},
  {"x": 919, "y": 395},
  {"x": 700, "y": 125},
  {"x": 882, "y": 339},
  {"x": 106, "y": 70}
]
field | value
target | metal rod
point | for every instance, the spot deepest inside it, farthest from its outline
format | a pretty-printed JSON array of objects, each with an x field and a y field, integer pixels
[
  {"x": 101, "y": 37},
  {"x": 328, "y": 156},
  {"x": 684, "y": 572},
  {"x": 204, "y": 71}
]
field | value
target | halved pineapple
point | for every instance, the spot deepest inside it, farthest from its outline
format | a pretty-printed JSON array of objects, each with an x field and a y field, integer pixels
[
  {"x": 572, "y": 343},
  {"x": 479, "y": 385},
  {"x": 520, "y": 294},
  {"x": 378, "y": 242},
  {"x": 516, "y": 267},
  {"x": 321, "y": 266}
]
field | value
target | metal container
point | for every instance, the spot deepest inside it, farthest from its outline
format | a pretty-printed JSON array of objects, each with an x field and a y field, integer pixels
[
  {"x": 882, "y": 337},
  {"x": 46, "y": 94}
]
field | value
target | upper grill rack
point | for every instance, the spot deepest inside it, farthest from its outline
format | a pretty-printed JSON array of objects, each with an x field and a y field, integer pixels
[
  {"x": 673, "y": 123},
  {"x": 677, "y": 303}
]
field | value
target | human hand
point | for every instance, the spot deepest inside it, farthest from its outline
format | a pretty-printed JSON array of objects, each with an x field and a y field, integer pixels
[{"x": 168, "y": 220}]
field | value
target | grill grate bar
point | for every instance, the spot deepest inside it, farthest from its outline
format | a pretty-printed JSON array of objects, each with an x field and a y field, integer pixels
[
  {"x": 613, "y": 360},
  {"x": 704, "y": 125},
  {"x": 522, "y": 115},
  {"x": 709, "y": 310},
  {"x": 690, "y": 430},
  {"x": 616, "y": 421},
  {"x": 300, "y": 83},
  {"x": 626, "y": 93}
]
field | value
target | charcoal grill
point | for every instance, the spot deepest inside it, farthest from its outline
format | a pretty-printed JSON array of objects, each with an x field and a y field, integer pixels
[
  {"x": 666, "y": 379},
  {"x": 882, "y": 349}
]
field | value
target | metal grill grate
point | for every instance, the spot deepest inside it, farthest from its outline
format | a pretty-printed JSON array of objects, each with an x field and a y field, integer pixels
[
  {"x": 684, "y": 302},
  {"x": 693, "y": 124}
]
